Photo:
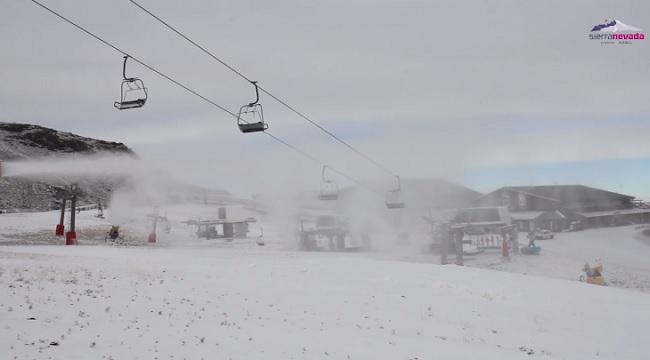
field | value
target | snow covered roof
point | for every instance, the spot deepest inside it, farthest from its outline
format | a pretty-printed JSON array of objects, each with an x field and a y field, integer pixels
[
  {"x": 570, "y": 193},
  {"x": 615, "y": 212},
  {"x": 562, "y": 194}
]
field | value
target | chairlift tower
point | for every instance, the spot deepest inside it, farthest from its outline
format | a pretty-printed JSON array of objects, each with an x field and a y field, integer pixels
[{"x": 68, "y": 193}]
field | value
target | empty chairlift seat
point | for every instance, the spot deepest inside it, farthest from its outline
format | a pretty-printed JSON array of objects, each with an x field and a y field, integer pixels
[
  {"x": 251, "y": 116},
  {"x": 394, "y": 198},
  {"x": 133, "y": 93},
  {"x": 329, "y": 190}
]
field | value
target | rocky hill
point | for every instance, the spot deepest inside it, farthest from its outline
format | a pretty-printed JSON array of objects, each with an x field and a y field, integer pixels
[
  {"x": 20, "y": 141},
  {"x": 36, "y": 193}
]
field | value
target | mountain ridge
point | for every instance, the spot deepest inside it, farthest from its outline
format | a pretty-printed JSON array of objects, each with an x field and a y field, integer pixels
[{"x": 22, "y": 141}]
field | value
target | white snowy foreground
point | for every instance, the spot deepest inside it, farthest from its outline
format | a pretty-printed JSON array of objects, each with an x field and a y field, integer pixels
[
  {"x": 210, "y": 300},
  {"x": 623, "y": 251}
]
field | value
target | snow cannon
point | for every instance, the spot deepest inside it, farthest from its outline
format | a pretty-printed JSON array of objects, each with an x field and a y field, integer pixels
[
  {"x": 71, "y": 238},
  {"x": 152, "y": 238},
  {"x": 594, "y": 274}
]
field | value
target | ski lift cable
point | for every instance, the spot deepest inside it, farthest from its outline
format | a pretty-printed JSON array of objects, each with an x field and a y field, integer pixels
[
  {"x": 131, "y": 56},
  {"x": 195, "y": 93},
  {"x": 267, "y": 92},
  {"x": 307, "y": 155}
]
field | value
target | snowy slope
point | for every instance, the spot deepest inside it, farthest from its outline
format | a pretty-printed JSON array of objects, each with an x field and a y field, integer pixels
[
  {"x": 622, "y": 251},
  {"x": 189, "y": 298},
  {"x": 249, "y": 303}
]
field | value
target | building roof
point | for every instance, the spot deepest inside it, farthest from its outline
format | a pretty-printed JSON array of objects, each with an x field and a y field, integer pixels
[
  {"x": 570, "y": 193},
  {"x": 614, "y": 212},
  {"x": 563, "y": 193}
]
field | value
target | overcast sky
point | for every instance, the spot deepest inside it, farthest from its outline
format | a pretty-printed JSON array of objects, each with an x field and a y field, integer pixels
[{"x": 478, "y": 91}]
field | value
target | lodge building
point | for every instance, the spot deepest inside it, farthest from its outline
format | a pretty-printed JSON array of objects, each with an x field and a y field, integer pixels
[{"x": 565, "y": 207}]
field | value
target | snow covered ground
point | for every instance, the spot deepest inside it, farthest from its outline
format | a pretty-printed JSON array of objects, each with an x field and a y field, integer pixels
[
  {"x": 623, "y": 251},
  {"x": 194, "y": 299}
]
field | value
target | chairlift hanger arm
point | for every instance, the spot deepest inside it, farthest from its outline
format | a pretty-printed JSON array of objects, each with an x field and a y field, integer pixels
[
  {"x": 126, "y": 57},
  {"x": 257, "y": 94}
]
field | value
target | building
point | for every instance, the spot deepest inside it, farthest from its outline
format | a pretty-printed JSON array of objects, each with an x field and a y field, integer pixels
[{"x": 565, "y": 207}]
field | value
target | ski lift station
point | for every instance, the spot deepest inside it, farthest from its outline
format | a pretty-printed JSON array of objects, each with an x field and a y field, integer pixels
[{"x": 222, "y": 227}]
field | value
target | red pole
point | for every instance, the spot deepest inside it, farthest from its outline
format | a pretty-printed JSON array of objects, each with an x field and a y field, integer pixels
[
  {"x": 504, "y": 249},
  {"x": 152, "y": 235},
  {"x": 60, "y": 228}
]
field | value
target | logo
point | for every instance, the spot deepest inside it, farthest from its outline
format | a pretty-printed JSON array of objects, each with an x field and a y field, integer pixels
[{"x": 616, "y": 32}]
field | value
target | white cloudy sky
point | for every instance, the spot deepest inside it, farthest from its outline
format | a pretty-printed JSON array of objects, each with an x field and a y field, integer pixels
[{"x": 428, "y": 88}]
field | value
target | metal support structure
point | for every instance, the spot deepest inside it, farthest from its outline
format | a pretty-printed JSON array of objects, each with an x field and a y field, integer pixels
[
  {"x": 70, "y": 192},
  {"x": 71, "y": 235},
  {"x": 458, "y": 238},
  {"x": 444, "y": 243}
]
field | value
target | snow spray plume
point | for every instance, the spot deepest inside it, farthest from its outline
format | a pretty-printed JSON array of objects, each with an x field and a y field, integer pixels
[
  {"x": 142, "y": 184},
  {"x": 75, "y": 165}
]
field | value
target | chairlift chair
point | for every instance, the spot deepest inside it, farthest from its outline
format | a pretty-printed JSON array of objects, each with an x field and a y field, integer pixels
[
  {"x": 251, "y": 116},
  {"x": 328, "y": 188},
  {"x": 394, "y": 197},
  {"x": 133, "y": 93}
]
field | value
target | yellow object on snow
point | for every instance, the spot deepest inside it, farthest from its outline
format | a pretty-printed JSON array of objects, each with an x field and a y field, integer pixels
[
  {"x": 596, "y": 280},
  {"x": 594, "y": 274}
]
